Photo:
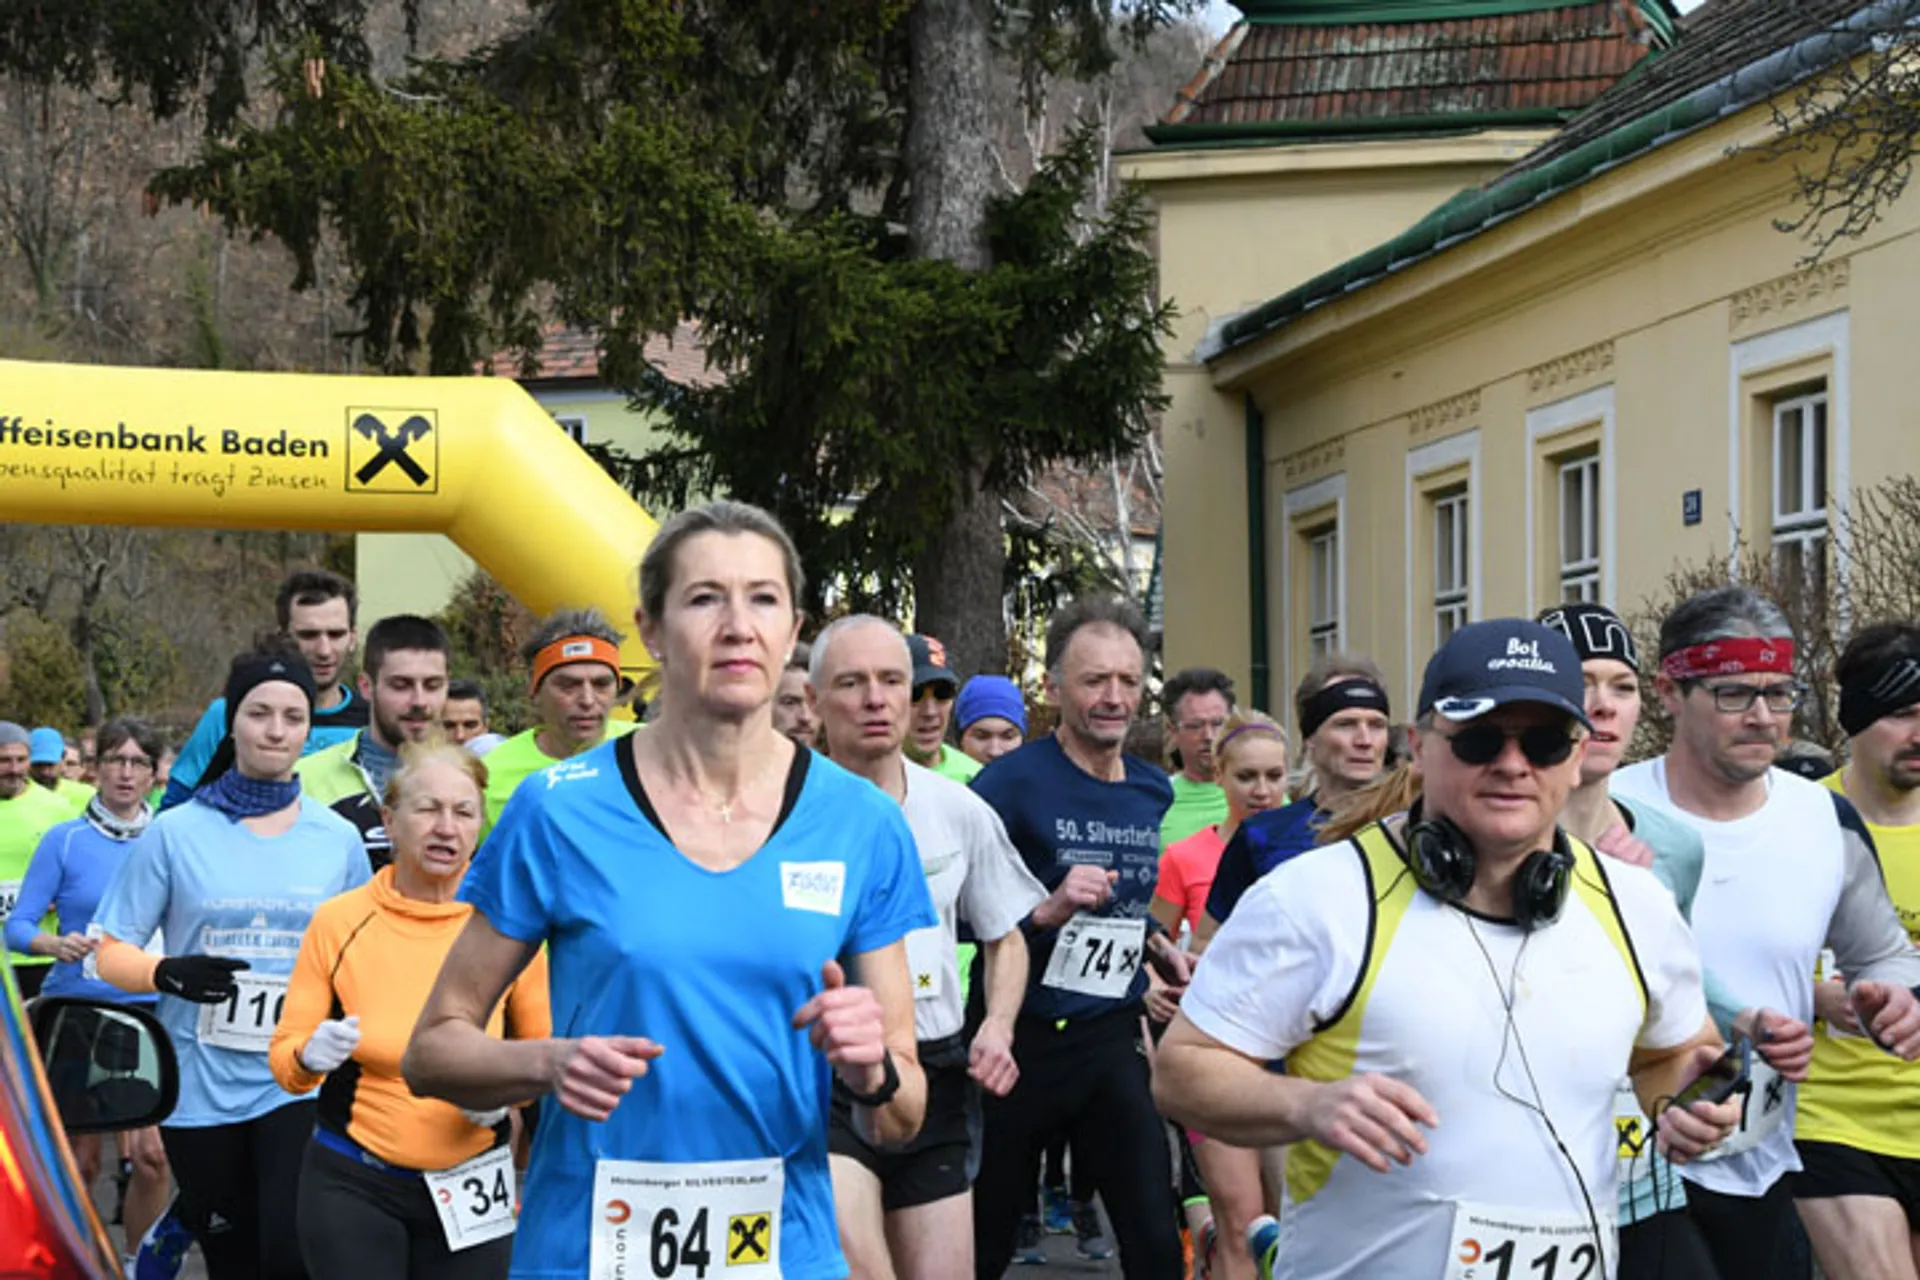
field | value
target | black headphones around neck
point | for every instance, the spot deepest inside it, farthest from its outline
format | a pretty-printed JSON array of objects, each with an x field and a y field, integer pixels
[{"x": 1442, "y": 862}]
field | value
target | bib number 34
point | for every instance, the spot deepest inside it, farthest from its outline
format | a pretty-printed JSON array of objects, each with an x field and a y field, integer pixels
[{"x": 475, "y": 1200}]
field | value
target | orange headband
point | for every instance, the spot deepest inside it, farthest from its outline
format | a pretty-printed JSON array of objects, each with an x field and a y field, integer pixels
[{"x": 574, "y": 649}]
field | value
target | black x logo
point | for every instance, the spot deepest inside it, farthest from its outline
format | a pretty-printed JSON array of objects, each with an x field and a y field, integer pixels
[
  {"x": 1776, "y": 1094},
  {"x": 748, "y": 1238},
  {"x": 926, "y": 981},
  {"x": 393, "y": 446},
  {"x": 1129, "y": 959},
  {"x": 1628, "y": 1135}
]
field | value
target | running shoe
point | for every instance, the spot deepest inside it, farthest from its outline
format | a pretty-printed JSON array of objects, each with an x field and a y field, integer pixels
[
  {"x": 1091, "y": 1242},
  {"x": 163, "y": 1250},
  {"x": 1263, "y": 1241},
  {"x": 1209, "y": 1241},
  {"x": 1056, "y": 1211},
  {"x": 1028, "y": 1246}
]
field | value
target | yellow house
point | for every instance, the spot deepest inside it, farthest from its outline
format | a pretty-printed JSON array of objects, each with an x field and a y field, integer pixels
[
  {"x": 1602, "y": 362},
  {"x": 418, "y": 572},
  {"x": 1316, "y": 130}
]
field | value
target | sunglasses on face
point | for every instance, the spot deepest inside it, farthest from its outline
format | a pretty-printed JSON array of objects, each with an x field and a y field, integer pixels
[
  {"x": 1541, "y": 744},
  {"x": 938, "y": 692}
]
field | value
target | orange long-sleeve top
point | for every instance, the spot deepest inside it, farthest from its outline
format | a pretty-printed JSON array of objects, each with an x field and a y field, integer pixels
[{"x": 374, "y": 953}]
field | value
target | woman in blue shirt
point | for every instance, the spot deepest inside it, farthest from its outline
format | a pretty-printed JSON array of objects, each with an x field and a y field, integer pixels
[
  {"x": 71, "y": 869},
  {"x": 229, "y": 880},
  {"x": 699, "y": 885}
]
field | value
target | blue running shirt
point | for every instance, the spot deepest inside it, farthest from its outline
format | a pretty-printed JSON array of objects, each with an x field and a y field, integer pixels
[
  {"x": 711, "y": 965},
  {"x": 215, "y": 888},
  {"x": 1060, "y": 816},
  {"x": 1263, "y": 842}
]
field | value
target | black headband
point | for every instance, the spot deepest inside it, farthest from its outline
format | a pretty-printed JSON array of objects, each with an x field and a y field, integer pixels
[
  {"x": 1890, "y": 687},
  {"x": 259, "y": 669},
  {"x": 1596, "y": 632},
  {"x": 1342, "y": 695}
]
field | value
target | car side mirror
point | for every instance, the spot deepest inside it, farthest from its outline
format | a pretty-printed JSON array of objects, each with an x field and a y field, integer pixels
[{"x": 110, "y": 1066}]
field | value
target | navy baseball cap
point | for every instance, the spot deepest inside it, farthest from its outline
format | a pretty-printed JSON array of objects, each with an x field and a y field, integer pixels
[
  {"x": 930, "y": 663},
  {"x": 1489, "y": 664}
]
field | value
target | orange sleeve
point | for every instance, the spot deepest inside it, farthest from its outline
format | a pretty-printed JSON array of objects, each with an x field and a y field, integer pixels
[
  {"x": 529, "y": 1002},
  {"x": 1172, "y": 885},
  {"x": 126, "y": 966},
  {"x": 309, "y": 1002}
]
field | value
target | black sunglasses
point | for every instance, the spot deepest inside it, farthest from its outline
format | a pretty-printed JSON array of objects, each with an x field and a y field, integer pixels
[{"x": 1541, "y": 744}]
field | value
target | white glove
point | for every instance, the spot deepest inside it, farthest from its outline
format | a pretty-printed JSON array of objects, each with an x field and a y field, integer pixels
[
  {"x": 331, "y": 1044},
  {"x": 485, "y": 1119}
]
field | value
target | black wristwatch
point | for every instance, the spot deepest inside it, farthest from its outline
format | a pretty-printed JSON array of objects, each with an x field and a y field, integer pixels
[{"x": 889, "y": 1086}]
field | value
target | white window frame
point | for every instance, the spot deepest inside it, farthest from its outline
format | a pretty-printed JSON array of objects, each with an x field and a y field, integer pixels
[
  {"x": 1830, "y": 336},
  {"x": 1452, "y": 608},
  {"x": 1325, "y": 606},
  {"x": 575, "y": 425},
  {"x": 1330, "y": 491},
  {"x": 1800, "y": 530},
  {"x": 1579, "y": 476},
  {"x": 1441, "y": 455},
  {"x": 1558, "y": 418}
]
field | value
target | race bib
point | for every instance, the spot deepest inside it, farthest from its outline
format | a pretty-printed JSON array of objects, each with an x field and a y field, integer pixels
[
  {"x": 9, "y": 894},
  {"x": 927, "y": 962},
  {"x": 476, "y": 1199},
  {"x": 687, "y": 1221},
  {"x": 1491, "y": 1243},
  {"x": 1096, "y": 955},
  {"x": 245, "y": 1020},
  {"x": 1762, "y": 1111}
]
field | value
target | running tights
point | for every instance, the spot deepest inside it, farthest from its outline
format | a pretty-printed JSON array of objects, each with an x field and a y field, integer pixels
[
  {"x": 238, "y": 1186},
  {"x": 373, "y": 1225},
  {"x": 1087, "y": 1081}
]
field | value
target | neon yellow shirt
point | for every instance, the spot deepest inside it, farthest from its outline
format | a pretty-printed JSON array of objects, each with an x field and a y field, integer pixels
[
  {"x": 955, "y": 763},
  {"x": 23, "y": 820},
  {"x": 510, "y": 763},
  {"x": 1196, "y": 806},
  {"x": 1856, "y": 1093}
]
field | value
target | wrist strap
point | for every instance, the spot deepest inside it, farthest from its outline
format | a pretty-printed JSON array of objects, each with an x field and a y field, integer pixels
[{"x": 889, "y": 1086}]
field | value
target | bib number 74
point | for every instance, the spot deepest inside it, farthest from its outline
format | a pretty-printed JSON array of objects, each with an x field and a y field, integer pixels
[{"x": 1096, "y": 955}]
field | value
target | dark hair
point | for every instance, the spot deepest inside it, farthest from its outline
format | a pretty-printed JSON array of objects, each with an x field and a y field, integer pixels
[
  {"x": 1195, "y": 680},
  {"x": 1329, "y": 668},
  {"x": 1092, "y": 611},
  {"x": 1874, "y": 647},
  {"x": 401, "y": 631},
  {"x": 568, "y": 622},
  {"x": 311, "y": 587},
  {"x": 802, "y": 658},
  {"x": 467, "y": 691},
  {"x": 1722, "y": 613},
  {"x": 127, "y": 729},
  {"x": 657, "y": 566}
]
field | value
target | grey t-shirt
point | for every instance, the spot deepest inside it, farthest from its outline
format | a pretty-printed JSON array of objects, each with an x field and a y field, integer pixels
[{"x": 972, "y": 870}]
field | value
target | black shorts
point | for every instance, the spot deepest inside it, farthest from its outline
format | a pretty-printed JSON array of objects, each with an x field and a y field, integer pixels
[
  {"x": 1833, "y": 1169},
  {"x": 29, "y": 977},
  {"x": 935, "y": 1164}
]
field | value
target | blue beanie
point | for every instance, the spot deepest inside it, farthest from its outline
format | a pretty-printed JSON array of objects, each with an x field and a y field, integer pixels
[
  {"x": 45, "y": 746},
  {"x": 986, "y": 696}
]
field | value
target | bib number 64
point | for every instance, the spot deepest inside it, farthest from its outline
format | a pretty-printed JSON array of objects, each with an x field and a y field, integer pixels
[{"x": 675, "y": 1250}]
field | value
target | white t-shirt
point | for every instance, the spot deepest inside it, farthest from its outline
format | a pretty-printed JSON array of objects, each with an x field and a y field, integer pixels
[
  {"x": 1776, "y": 887},
  {"x": 1288, "y": 960},
  {"x": 971, "y": 868}
]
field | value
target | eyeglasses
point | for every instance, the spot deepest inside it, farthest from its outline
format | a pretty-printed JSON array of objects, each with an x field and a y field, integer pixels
[
  {"x": 1541, "y": 744},
  {"x": 1197, "y": 726},
  {"x": 125, "y": 762},
  {"x": 1736, "y": 699},
  {"x": 938, "y": 692}
]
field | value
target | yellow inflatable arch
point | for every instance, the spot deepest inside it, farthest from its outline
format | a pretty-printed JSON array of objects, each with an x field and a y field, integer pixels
[{"x": 473, "y": 458}]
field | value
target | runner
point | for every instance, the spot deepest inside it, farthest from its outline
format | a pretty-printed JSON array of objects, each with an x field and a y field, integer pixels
[
  {"x": 1342, "y": 709},
  {"x": 47, "y": 761},
  {"x": 1453, "y": 991},
  {"x": 1790, "y": 868},
  {"x": 934, "y": 688},
  {"x": 395, "y": 1186},
  {"x": 698, "y": 887},
  {"x": 1086, "y": 818},
  {"x": 793, "y": 712},
  {"x": 231, "y": 878},
  {"x": 70, "y": 870},
  {"x": 1658, "y": 1240},
  {"x": 27, "y": 812},
  {"x": 908, "y": 1211},
  {"x": 463, "y": 716},
  {"x": 1198, "y": 701},
  {"x": 574, "y": 664},
  {"x": 403, "y": 681},
  {"x": 1249, "y": 756},
  {"x": 990, "y": 716},
  {"x": 1858, "y": 1131},
  {"x": 315, "y": 610}
]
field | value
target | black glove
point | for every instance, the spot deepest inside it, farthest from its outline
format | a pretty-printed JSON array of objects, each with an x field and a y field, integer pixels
[{"x": 201, "y": 979}]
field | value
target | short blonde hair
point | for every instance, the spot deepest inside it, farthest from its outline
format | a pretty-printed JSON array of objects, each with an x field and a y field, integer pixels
[
  {"x": 434, "y": 749},
  {"x": 1241, "y": 724}
]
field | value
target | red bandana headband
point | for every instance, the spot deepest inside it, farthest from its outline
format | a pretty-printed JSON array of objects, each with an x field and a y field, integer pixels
[{"x": 1737, "y": 656}]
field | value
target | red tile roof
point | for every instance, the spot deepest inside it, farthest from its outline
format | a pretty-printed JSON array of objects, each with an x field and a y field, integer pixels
[
  {"x": 1556, "y": 58},
  {"x": 572, "y": 355}
]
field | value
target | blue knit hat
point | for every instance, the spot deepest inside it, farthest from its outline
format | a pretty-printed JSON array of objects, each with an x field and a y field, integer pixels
[{"x": 986, "y": 696}]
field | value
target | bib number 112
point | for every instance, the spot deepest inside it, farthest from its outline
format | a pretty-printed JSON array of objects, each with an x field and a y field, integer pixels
[{"x": 1578, "y": 1262}]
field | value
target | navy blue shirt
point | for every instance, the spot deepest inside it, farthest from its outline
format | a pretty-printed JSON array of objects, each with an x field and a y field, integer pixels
[
  {"x": 1059, "y": 816},
  {"x": 1263, "y": 842}
]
